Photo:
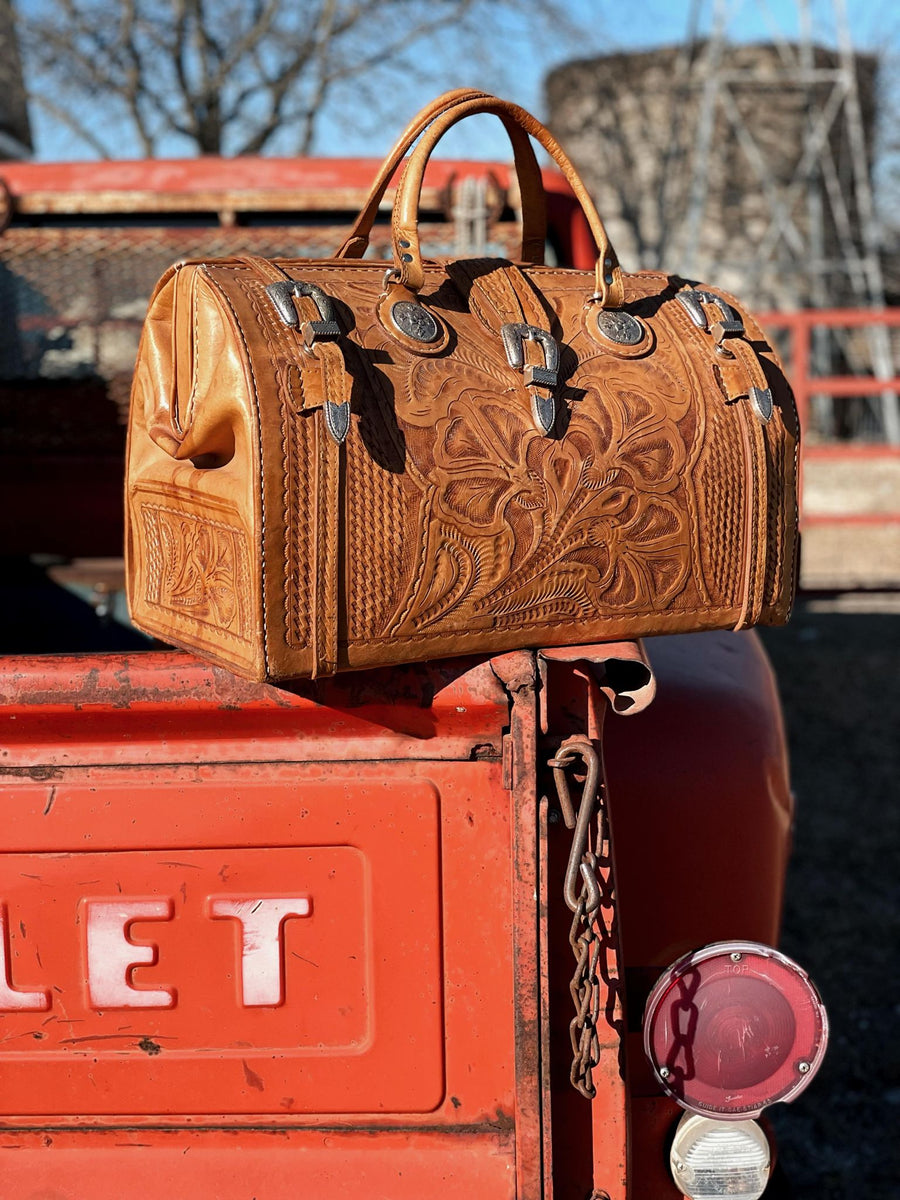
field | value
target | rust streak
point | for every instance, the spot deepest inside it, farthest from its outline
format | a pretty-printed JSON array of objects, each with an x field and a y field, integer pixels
[{"x": 254, "y": 1080}]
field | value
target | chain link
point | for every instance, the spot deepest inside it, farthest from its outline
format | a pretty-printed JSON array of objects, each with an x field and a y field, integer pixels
[
  {"x": 592, "y": 933},
  {"x": 585, "y": 991}
]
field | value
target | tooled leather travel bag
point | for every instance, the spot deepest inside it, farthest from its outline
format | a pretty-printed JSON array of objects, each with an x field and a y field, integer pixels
[{"x": 338, "y": 464}]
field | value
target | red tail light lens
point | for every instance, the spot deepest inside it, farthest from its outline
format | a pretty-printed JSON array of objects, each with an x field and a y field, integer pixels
[{"x": 733, "y": 1028}]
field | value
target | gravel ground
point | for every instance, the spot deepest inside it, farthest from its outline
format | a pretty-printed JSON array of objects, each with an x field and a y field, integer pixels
[{"x": 839, "y": 673}]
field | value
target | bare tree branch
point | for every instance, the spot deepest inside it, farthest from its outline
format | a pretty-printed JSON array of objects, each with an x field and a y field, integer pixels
[
  {"x": 226, "y": 76},
  {"x": 65, "y": 117}
]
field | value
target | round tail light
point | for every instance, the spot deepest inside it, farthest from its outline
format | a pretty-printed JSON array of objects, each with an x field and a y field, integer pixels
[{"x": 733, "y": 1028}]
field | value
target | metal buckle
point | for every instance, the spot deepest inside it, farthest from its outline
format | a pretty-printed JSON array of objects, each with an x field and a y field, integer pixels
[
  {"x": 692, "y": 302},
  {"x": 281, "y": 294},
  {"x": 514, "y": 335}
]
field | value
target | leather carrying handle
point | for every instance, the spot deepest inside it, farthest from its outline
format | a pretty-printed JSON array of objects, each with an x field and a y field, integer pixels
[
  {"x": 534, "y": 219},
  {"x": 609, "y": 290}
]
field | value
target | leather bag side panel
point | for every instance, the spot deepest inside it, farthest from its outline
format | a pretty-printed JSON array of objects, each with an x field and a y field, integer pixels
[{"x": 193, "y": 512}]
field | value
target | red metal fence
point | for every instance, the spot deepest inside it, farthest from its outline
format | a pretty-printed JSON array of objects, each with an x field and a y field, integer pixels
[{"x": 799, "y": 328}]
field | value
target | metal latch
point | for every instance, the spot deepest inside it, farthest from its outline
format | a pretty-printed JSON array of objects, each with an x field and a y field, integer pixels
[
  {"x": 281, "y": 294},
  {"x": 515, "y": 334}
]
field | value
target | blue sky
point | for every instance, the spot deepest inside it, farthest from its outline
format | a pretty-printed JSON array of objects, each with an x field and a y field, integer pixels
[{"x": 516, "y": 55}]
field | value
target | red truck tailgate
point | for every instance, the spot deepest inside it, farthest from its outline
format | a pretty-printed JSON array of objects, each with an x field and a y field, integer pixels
[{"x": 224, "y": 917}]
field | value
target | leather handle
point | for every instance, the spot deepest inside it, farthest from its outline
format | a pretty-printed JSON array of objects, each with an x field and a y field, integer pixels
[
  {"x": 534, "y": 220},
  {"x": 609, "y": 290}
]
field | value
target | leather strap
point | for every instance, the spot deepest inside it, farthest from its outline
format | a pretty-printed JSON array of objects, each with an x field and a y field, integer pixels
[
  {"x": 742, "y": 371},
  {"x": 498, "y": 292},
  {"x": 609, "y": 289},
  {"x": 742, "y": 377},
  {"x": 326, "y": 380},
  {"x": 326, "y": 554},
  {"x": 502, "y": 297},
  {"x": 534, "y": 215},
  {"x": 324, "y": 364},
  {"x": 738, "y": 366}
]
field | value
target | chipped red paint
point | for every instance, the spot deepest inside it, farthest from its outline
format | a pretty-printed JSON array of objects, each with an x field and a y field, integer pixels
[
  {"x": 187, "y": 176},
  {"x": 156, "y": 778}
]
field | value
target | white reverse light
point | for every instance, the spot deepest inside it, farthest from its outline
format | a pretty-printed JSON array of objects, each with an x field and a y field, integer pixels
[{"x": 712, "y": 1159}]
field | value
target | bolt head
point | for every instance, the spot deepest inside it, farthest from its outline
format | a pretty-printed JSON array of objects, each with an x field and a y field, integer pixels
[
  {"x": 803, "y": 1067},
  {"x": 736, "y": 957},
  {"x": 664, "y": 1072}
]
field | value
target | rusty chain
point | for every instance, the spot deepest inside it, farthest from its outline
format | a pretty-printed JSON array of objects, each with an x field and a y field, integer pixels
[{"x": 584, "y": 938}]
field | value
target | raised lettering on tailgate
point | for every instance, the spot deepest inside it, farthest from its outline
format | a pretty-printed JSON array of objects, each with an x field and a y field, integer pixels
[{"x": 161, "y": 953}]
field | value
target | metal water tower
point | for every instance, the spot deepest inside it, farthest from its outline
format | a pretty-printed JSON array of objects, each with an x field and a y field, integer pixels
[{"x": 746, "y": 164}]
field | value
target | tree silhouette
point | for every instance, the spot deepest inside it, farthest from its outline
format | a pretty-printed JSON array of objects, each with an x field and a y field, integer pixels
[{"x": 233, "y": 76}]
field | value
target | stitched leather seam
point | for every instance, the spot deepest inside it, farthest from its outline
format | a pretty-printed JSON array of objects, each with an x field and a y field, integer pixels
[
  {"x": 688, "y": 483},
  {"x": 277, "y": 335},
  {"x": 762, "y": 525},
  {"x": 460, "y": 635},
  {"x": 318, "y": 551},
  {"x": 792, "y": 582},
  {"x": 262, "y": 491},
  {"x": 377, "y": 266},
  {"x": 185, "y": 425},
  {"x": 750, "y": 518}
]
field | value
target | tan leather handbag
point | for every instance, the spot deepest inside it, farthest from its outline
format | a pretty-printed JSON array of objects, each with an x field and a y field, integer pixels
[{"x": 341, "y": 463}]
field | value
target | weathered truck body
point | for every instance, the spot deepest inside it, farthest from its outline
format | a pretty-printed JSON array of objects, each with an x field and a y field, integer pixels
[
  {"x": 408, "y": 1034},
  {"x": 314, "y": 940}
]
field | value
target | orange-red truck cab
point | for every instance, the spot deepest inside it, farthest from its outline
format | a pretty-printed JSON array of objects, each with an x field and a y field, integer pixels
[{"x": 313, "y": 940}]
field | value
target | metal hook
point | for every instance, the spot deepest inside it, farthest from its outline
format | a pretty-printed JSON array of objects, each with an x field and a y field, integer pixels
[{"x": 567, "y": 752}]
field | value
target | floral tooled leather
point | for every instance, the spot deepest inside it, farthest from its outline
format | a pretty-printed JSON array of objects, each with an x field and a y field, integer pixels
[
  {"x": 195, "y": 567},
  {"x": 528, "y": 526}
]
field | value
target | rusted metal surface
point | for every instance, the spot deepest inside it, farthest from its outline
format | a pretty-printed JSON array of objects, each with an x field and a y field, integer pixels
[
  {"x": 519, "y": 675},
  {"x": 588, "y": 1126},
  {"x": 227, "y": 1167},
  {"x": 172, "y": 708},
  {"x": 159, "y": 793},
  {"x": 155, "y": 778},
  {"x": 244, "y": 184}
]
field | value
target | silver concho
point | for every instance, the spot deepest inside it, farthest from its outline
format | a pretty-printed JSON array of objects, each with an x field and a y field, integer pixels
[
  {"x": 415, "y": 321},
  {"x": 620, "y": 327}
]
